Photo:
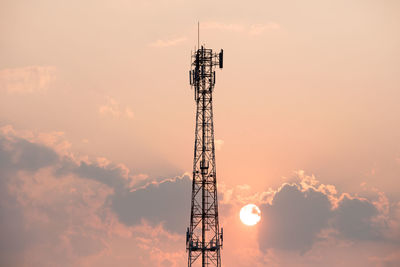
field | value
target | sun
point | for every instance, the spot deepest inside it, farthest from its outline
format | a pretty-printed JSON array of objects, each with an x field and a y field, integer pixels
[{"x": 250, "y": 215}]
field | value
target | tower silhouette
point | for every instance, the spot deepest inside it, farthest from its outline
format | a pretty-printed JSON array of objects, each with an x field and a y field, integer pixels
[{"x": 204, "y": 238}]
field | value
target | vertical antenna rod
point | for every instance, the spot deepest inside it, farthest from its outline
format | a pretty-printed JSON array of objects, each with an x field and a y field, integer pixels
[
  {"x": 204, "y": 237},
  {"x": 198, "y": 35}
]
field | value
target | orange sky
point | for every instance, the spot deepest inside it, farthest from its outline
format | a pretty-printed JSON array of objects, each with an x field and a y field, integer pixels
[{"x": 306, "y": 85}]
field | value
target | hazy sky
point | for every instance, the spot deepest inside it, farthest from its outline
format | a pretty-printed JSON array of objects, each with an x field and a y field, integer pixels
[{"x": 97, "y": 130}]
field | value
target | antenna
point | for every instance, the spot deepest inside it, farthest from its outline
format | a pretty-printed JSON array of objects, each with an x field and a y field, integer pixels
[{"x": 204, "y": 237}]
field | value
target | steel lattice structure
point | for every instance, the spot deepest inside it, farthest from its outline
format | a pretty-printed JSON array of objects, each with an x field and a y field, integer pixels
[{"x": 204, "y": 237}]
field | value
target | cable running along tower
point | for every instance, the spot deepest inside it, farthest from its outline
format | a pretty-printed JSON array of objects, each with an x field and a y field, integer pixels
[{"x": 204, "y": 237}]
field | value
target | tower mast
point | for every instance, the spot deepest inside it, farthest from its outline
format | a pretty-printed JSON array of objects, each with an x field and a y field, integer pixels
[{"x": 204, "y": 237}]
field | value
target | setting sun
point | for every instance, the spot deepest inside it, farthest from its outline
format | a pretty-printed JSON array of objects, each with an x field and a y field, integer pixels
[{"x": 250, "y": 215}]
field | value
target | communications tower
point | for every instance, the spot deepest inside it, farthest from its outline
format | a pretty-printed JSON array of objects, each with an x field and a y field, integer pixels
[{"x": 204, "y": 237}]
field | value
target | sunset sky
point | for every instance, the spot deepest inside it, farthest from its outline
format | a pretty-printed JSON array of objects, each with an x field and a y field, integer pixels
[{"x": 97, "y": 129}]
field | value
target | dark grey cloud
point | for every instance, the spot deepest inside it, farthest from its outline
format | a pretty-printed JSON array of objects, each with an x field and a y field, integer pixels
[
  {"x": 354, "y": 219},
  {"x": 164, "y": 202},
  {"x": 296, "y": 216},
  {"x": 16, "y": 155},
  {"x": 13, "y": 237},
  {"x": 110, "y": 175},
  {"x": 20, "y": 154},
  {"x": 294, "y": 219},
  {"x": 167, "y": 202}
]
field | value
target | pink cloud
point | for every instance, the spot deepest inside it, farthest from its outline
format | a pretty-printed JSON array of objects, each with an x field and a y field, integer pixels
[
  {"x": 114, "y": 109},
  {"x": 251, "y": 29},
  {"x": 258, "y": 29},
  {"x": 168, "y": 42},
  {"x": 27, "y": 79}
]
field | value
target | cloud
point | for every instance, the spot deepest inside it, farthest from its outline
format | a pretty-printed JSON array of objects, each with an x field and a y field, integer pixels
[
  {"x": 391, "y": 260},
  {"x": 128, "y": 113},
  {"x": 59, "y": 210},
  {"x": 20, "y": 154},
  {"x": 17, "y": 156},
  {"x": 257, "y": 29},
  {"x": 27, "y": 79},
  {"x": 294, "y": 218},
  {"x": 167, "y": 202},
  {"x": 168, "y": 43},
  {"x": 113, "y": 108},
  {"x": 251, "y": 29},
  {"x": 303, "y": 213},
  {"x": 219, "y": 143},
  {"x": 214, "y": 25},
  {"x": 354, "y": 219}
]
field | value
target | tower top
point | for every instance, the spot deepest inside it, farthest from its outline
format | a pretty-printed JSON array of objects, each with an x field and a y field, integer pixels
[{"x": 203, "y": 65}]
